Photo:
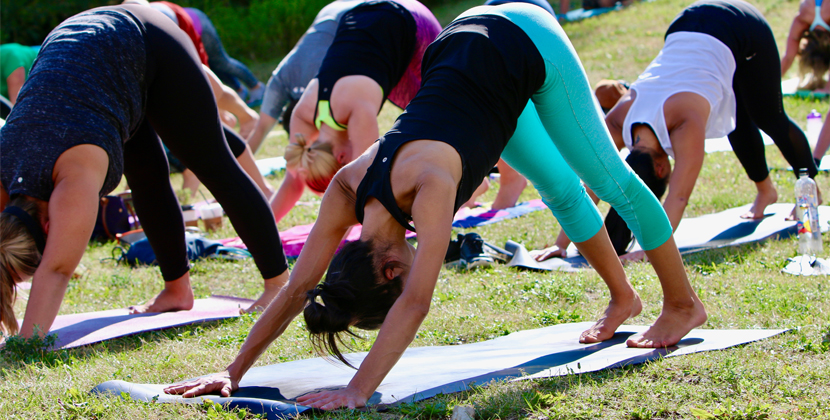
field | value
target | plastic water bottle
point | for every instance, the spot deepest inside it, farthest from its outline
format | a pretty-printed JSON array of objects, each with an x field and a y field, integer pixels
[
  {"x": 813, "y": 127},
  {"x": 809, "y": 230}
]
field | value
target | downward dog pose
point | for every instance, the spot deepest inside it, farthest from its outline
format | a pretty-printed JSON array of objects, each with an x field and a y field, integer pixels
[
  {"x": 289, "y": 79},
  {"x": 736, "y": 91},
  {"x": 809, "y": 39},
  {"x": 76, "y": 128},
  {"x": 375, "y": 55},
  {"x": 718, "y": 74},
  {"x": 532, "y": 105}
]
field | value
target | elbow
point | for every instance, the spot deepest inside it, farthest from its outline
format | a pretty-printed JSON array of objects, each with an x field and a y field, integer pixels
[{"x": 416, "y": 308}]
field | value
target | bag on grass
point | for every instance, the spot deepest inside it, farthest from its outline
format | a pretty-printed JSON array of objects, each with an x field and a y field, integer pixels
[
  {"x": 198, "y": 247},
  {"x": 115, "y": 215}
]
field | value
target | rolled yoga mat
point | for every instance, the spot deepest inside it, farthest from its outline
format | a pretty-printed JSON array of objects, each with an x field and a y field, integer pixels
[
  {"x": 695, "y": 234},
  {"x": 424, "y": 372},
  {"x": 87, "y": 328}
]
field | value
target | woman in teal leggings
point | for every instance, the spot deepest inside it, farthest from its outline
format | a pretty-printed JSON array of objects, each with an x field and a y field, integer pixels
[{"x": 498, "y": 81}]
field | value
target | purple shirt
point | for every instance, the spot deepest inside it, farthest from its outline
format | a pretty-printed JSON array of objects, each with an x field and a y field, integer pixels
[{"x": 428, "y": 30}]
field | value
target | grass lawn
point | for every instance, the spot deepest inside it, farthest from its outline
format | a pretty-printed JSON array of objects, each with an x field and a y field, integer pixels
[{"x": 784, "y": 377}]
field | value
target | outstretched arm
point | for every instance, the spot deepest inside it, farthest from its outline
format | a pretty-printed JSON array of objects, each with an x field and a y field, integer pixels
[
  {"x": 801, "y": 23},
  {"x": 73, "y": 206},
  {"x": 688, "y": 141},
  {"x": 332, "y": 224},
  {"x": 432, "y": 212},
  {"x": 287, "y": 195},
  {"x": 15, "y": 82}
]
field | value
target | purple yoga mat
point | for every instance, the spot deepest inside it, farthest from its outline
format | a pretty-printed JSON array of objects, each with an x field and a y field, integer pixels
[{"x": 77, "y": 330}]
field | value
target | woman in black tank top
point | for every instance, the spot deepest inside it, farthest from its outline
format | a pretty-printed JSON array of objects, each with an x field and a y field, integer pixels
[{"x": 485, "y": 79}]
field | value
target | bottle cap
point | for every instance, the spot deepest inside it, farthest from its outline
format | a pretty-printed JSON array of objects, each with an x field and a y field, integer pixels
[{"x": 814, "y": 114}]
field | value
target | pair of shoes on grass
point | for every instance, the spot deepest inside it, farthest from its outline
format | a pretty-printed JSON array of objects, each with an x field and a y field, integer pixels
[{"x": 467, "y": 253}]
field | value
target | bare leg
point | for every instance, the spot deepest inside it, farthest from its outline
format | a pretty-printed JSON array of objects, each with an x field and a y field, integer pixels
[
  {"x": 263, "y": 127},
  {"x": 189, "y": 181},
  {"x": 248, "y": 164},
  {"x": 766, "y": 196},
  {"x": 176, "y": 296},
  {"x": 228, "y": 118},
  {"x": 625, "y": 302},
  {"x": 272, "y": 287},
  {"x": 511, "y": 185},
  {"x": 228, "y": 100},
  {"x": 682, "y": 309},
  {"x": 482, "y": 188}
]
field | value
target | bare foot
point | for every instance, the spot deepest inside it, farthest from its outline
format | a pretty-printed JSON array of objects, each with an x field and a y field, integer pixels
[
  {"x": 671, "y": 326},
  {"x": 168, "y": 300},
  {"x": 482, "y": 188},
  {"x": 617, "y": 312},
  {"x": 271, "y": 289},
  {"x": 509, "y": 192},
  {"x": 766, "y": 196}
]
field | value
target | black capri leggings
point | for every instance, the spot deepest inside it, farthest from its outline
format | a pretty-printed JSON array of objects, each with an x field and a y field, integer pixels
[
  {"x": 757, "y": 83},
  {"x": 182, "y": 110}
]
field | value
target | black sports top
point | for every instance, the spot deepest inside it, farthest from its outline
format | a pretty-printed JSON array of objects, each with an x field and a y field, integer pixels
[
  {"x": 375, "y": 39},
  {"x": 735, "y": 23},
  {"x": 478, "y": 76}
]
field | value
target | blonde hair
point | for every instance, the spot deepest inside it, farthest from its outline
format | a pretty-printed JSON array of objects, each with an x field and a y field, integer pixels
[
  {"x": 316, "y": 162},
  {"x": 814, "y": 58},
  {"x": 18, "y": 254}
]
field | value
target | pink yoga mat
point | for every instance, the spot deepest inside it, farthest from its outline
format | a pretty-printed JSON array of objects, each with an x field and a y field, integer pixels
[
  {"x": 77, "y": 330},
  {"x": 294, "y": 238}
]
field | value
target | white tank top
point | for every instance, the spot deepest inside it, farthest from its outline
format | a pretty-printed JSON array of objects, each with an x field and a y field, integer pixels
[{"x": 689, "y": 62}]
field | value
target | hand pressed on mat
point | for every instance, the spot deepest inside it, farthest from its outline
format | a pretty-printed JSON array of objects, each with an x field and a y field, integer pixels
[
  {"x": 218, "y": 382},
  {"x": 331, "y": 400}
]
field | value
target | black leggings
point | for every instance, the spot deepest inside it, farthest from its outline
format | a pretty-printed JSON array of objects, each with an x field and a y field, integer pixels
[
  {"x": 182, "y": 110},
  {"x": 757, "y": 83}
]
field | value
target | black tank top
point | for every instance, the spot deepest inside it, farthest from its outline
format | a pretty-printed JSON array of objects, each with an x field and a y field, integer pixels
[
  {"x": 478, "y": 76},
  {"x": 375, "y": 39}
]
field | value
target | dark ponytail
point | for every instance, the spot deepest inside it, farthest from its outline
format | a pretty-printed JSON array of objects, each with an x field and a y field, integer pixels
[
  {"x": 354, "y": 293},
  {"x": 643, "y": 165}
]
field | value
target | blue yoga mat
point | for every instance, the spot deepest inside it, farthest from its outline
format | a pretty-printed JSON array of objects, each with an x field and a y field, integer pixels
[
  {"x": 424, "y": 372},
  {"x": 695, "y": 234}
]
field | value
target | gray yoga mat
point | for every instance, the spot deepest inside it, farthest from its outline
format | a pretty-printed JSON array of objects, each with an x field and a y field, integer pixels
[
  {"x": 75, "y": 330},
  {"x": 424, "y": 372},
  {"x": 695, "y": 234}
]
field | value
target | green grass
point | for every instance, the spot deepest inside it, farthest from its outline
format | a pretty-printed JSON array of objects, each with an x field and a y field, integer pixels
[{"x": 787, "y": 376}]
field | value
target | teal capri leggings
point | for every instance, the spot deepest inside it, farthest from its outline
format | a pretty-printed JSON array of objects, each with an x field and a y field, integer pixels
[{"x": 563, "y": 123}]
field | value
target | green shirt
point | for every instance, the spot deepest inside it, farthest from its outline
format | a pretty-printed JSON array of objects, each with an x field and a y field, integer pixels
[{"x": 12, "y": 57}]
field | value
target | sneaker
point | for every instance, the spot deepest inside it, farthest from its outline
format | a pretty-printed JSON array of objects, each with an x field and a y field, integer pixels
[
  {"x": 243, "y": 93},
  {"x": 472, "y": 252},
  {"x": 255, "y": 95},
  {"x": 453, "y": 257}
]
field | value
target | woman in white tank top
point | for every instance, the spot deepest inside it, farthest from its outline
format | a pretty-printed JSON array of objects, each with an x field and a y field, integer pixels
[{"x": 718, "y": 74}]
